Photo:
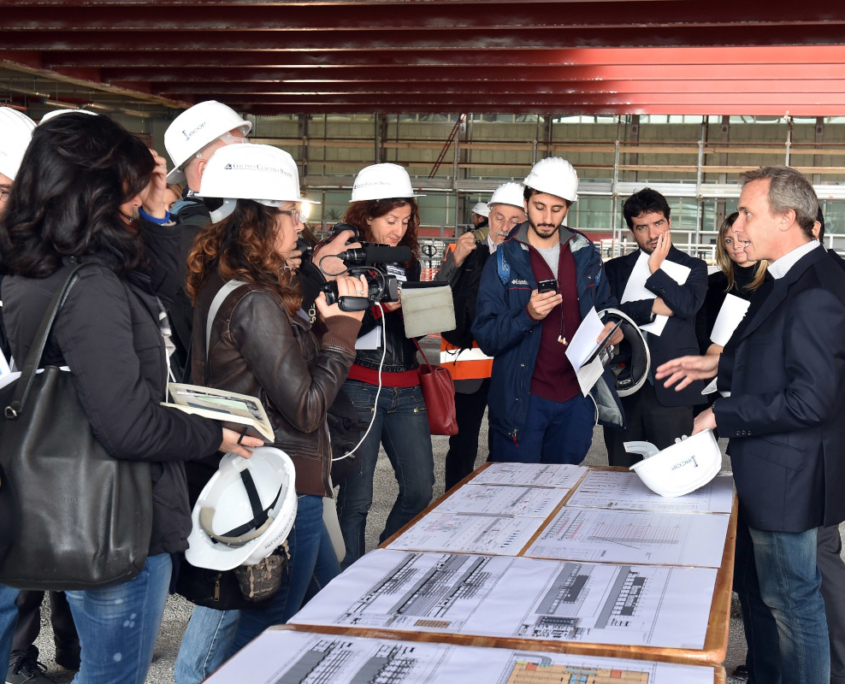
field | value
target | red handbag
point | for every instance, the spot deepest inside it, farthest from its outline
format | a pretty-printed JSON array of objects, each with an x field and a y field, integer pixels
[{"x": 439, "y": 395}]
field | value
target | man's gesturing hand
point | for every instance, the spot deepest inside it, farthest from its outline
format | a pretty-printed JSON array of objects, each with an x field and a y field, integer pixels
[{"x": 541, "y": 303}]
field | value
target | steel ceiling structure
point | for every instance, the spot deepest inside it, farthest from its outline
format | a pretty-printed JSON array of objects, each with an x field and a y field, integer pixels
[{"x": 433, "y": 56}]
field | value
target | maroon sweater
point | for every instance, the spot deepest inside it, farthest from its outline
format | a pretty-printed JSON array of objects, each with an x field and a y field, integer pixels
[{"x": 554, "y": 377}]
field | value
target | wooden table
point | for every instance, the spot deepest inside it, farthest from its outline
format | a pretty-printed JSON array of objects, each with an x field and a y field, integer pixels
[{"x": 715, "y": 644}]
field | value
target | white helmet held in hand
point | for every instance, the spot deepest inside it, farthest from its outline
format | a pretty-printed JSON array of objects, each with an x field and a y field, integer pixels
[
  {"x": 555, "y": 176},
  {"x": 509, "y": 193},
  {"x": 15, "y": 134},
  {"x": 382, "y": 181},
  {"x": 481, "y": 209},
  {"x": 195, "y": 128},
  {"x": 262, "y": 173},
  {"x": 681, "y": 468},
  {"x": 245, "y": 511}
]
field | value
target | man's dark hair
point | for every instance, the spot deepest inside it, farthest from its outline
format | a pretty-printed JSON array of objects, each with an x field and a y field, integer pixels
[
  {"x": 528, "y": 192},
  {"x": 66, "y": 200},
  {"x": 820, "y": 219},
  {"x": 644, "y": 202}
]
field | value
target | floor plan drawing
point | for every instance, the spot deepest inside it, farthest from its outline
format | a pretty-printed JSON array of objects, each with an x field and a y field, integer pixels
[
  {"x": 530, "y": 502},
  {"x": 593, "y": 534},
  {"x": 531, "y": 474}
]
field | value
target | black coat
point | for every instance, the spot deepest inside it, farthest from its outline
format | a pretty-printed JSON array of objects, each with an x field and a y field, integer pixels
[
  {"x": 108, "y": 334},
  {"x": 785, "y": 368},
  {"x": 678, "y": 338},
  {"x": 717, "y": 291},
  {"x": 465, "y": 281}
]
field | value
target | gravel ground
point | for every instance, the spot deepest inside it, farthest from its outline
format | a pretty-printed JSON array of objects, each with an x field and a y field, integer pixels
[{"x": 178, "y": 610}]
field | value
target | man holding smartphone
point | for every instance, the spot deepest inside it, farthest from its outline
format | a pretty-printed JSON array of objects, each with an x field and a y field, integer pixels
[{"x": 533, "y": 296}]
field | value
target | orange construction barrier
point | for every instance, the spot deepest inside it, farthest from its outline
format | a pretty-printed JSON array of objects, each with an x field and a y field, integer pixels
[{"x": 469, "y": 364}]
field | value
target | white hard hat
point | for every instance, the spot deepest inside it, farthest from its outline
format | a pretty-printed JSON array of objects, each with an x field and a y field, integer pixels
[
  {"x": 262, "y": 173},
  {"x": 681, "y": 468},
  {"x": 481, "y": 209},
  {"x": 15, "y": 134},
  {"x": 58, "y": 112},
  {"x": 195, "y": 128},
  {"x": 556, "y": 176},
  {"x": 509, "y": 193},
  {"x": 382, "y": 181},
  {"x": 245, "y": 511}
]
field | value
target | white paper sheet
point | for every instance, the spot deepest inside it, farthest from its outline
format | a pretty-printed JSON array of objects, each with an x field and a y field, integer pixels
[
  {"x": 494, "y": 534},
  {"x": 730, "y": 316},
  {"x": 530, "y": 502},
  {"x": 533, "y": 474},
  {"x": 581, "y": 347},
  {"x": 608, "y": 489},
  {"x": 283, "y": 656},
  {"x": 372, "y": 340},
  {"x": 636, "y": 290},
  {"x": 647, "y": 537},
  {"x": 518, "y": 597}
]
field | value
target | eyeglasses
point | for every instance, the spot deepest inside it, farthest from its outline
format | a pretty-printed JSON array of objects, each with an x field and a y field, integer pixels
[{"x": 295, "y": 214}]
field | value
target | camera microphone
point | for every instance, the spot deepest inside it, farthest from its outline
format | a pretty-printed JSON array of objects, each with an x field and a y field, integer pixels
[{"x": 371, "y": 254}]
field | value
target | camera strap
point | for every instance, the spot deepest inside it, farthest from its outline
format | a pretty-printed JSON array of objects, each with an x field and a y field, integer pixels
[{"x": 216, "y": 303}]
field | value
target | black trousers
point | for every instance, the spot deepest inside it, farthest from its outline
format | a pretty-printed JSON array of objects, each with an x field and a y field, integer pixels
[
  {"x": 829, "y": 562},
  {"x": 29, "y": 625},
  {"x": 463, "y": 447},
  {"x": 648, "y": 421}
]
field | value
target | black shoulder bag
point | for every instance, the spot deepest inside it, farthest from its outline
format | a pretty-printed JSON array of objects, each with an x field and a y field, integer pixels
[{"x": 84, "y": 517}]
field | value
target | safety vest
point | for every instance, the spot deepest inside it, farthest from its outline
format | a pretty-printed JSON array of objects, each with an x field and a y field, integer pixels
[{"x": 467, "y": 364}]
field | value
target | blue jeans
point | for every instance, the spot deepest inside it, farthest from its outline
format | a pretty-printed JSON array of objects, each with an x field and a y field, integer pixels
[
  {"x": 782, "y": 608},
  {"x": 401, "y": 425},
  {"x": 313, "y": 564},
  {"x": 118, "y": 625},
  {"x": 554, "y": 432},
  {"x": 8, "y": 621},
  {"x": 206, "y": 644}
]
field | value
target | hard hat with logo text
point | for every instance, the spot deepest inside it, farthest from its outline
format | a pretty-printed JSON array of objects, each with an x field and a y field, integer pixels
[
  {"x": 262, "y": 173},
  {"x": 509, "y": 193},
  {"x": 382, "y": 181},
  {"x": 244, "y": 512},
  {"x": 481, "y": 209},
  {"x": 195, "y": 128},
  {"x": 15, "y": 134},
  {"x": 682, "y": 468},
  {"x": 556, "y": 176}
]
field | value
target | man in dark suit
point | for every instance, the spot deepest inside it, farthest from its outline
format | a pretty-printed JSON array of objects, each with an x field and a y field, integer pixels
[
  {"x": 785, "y": 367},
  {"x": 656, "y": 414}
]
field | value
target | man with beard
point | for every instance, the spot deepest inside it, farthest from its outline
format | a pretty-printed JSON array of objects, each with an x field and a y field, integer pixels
[
  {"x": 536, "y": 408},
  {"x": 655, "y": 413}
]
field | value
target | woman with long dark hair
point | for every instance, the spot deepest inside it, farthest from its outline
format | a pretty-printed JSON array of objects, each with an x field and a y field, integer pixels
[
  {"x": 262, "y": 344},
  {"x": 89, "y": 192},
  {"x": 384, "y": 210},
  {"x": 737, "y": 275}
]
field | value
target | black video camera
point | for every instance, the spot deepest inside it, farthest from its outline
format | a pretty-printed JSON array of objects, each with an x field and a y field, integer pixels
[
  {"x": 370, "y": 253},
  {"x": 381, "y": 288}
]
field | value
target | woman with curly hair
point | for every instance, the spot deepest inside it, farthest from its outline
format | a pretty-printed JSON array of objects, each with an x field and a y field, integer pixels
[
  {"x": 384, "y": 210},
  {"x": 261, "y": 343}
]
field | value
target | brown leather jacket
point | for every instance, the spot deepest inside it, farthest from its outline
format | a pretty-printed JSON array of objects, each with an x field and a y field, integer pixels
[{"x": 258, "y": 348}]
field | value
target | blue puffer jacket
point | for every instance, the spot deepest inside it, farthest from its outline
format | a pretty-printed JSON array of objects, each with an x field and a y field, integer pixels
[{"x": 505, "y": 331}]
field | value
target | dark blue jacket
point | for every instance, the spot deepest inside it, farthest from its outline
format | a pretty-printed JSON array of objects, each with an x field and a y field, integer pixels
[
  {"x": 785, "y": 368},
  {"x": 678, "y": 338},
  {"x": 505, "y": 331}
]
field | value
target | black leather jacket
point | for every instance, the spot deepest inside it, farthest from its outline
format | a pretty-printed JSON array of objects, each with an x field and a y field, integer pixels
[{"x": 401, "y": 352}]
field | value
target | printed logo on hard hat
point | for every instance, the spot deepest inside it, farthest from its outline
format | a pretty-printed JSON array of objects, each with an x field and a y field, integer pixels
[
  {"x": 691, "y": 459},
  {"x": 189, "y": 134},
  {"x": 257, "y": 167},
  {"x": 368, "y": 184}
]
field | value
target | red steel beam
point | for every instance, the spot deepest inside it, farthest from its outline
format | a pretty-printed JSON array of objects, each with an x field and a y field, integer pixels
[
  {"x": 413, "y": 17},
  {"x": 394, "y": 41},
  {"x": 173, "y": 77},
  {"x": 786, "y": 55},
  {"x": 476, "y": 88}
]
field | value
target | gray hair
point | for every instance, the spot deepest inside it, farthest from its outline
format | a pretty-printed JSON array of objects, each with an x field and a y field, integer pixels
[{"x": 788, "y": 189}]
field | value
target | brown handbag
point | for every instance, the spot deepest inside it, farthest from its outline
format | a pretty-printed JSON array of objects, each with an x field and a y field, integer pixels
[{"x": 439, "y": 395}]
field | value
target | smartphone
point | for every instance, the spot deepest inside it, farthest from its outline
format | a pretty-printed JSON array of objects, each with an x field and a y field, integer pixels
[{"x": 547, "y": 285}]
